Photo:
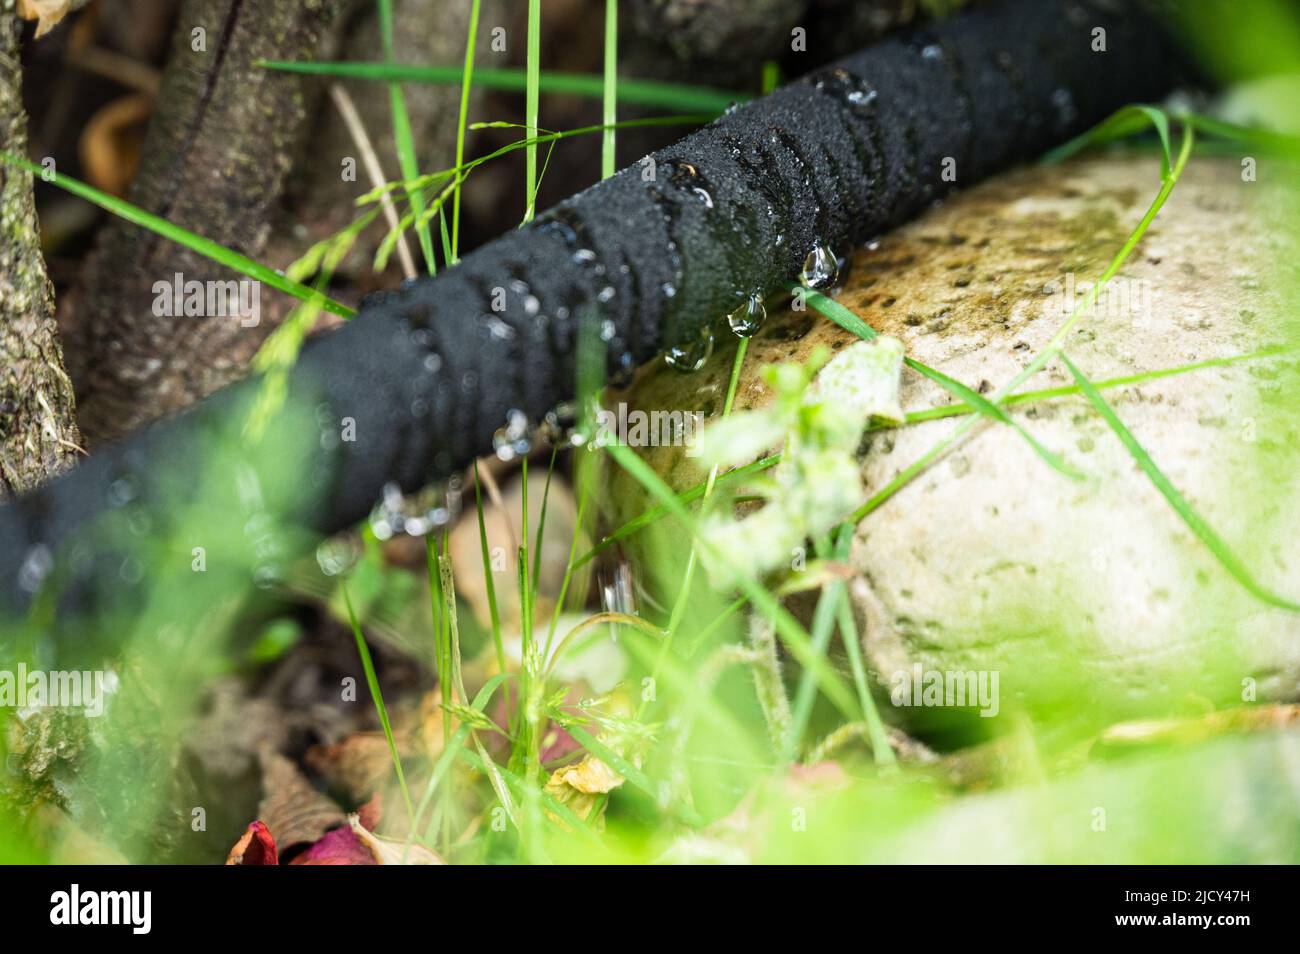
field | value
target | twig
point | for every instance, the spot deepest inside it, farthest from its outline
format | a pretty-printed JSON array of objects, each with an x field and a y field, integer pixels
[{"x": 352, "y": 119}]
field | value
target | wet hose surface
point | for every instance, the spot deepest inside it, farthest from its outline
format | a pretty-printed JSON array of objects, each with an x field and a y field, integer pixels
[{"x": 660, "y": 251}]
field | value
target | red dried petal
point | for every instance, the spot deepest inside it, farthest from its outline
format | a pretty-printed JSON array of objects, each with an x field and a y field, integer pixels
[
  {"x": 339, "y": 847},
  {"x": 255, "y": 847}
]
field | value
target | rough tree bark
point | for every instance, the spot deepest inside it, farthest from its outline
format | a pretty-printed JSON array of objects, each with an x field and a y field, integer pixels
[
  {"x": 38, "y": 432},
  {"x": 216, "y": 159}
]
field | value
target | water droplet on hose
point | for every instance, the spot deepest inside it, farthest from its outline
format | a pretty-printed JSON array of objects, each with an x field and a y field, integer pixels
[
  {"x": 692, "y": 355},
  {"x": 623, "y": 372},
  {"x": 417, "y": 514},
  {"x": 1066, "y": 111},
  {"x": 515, "y": 438},
  {"x": 267, "y": 576},
  {"x": 121, "y": 492},
  {"x": 561, "y": 427},
  {"x": 499, "y": 329},
  {"x": 37, "y": 563},
  {"x": 820, "y": 268},
  {"x": 853, "y": 91},
  {"x": 686, "y": 176},
  {"x": 338, "y": 555},
  {"x": 748, "y": 318}
]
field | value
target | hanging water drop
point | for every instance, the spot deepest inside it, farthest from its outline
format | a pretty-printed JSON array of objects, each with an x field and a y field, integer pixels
[
  {"x": 623, "y": 371},
  {"x": 748, "y": 318},
  {"x": 692, "y": 355},
  {"x": 337, "y": 555},
  {"x": 820, "y": 268},
  {"x": 36, "y": 566},
  {"x": 514, "y": 439},
  {"x": 498, "y": 329},
  {"x": 267, "y": 576},
  {"x": 418, "y": 514},
  {"x": 1066, "y": 111}
]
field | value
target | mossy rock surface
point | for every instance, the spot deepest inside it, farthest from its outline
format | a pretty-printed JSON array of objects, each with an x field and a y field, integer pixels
[{"x": 990, "y": 560}]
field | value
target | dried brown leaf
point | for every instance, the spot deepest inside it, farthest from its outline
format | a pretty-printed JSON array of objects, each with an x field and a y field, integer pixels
[{"x": 46, "y": 13}]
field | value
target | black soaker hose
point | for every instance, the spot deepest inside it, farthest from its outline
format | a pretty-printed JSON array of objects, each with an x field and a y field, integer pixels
[{"x": 428, "y": 373}]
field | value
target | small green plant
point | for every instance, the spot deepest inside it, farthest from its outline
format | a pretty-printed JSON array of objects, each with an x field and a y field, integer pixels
[{"x": 819, "y": 412}]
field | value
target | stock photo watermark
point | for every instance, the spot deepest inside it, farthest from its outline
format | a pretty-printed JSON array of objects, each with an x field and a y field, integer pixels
[
  {"x": 946, "y": 688},
  {"x": 85, "y": 691},
  {"x": 1120, "y": 298},
  {"x": 181, "y": 298},
  {"x": 637, "y": 428}
]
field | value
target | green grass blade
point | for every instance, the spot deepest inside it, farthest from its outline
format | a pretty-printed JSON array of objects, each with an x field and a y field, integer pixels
[
  {"x": 611, "y": 758},
  {"x": 823, "y": 624},
  {"x": 489, "y": 582},
  {"x": 849, "y": 321},
  {"x": 611, "y": 89},
  {"x": 1068, "y": 390},
  {"x": 882, "y": 752},
  {"x": 532, "y": 87},
  {"x": 792, "y": 633},
  {"x": 541, "y": 518},
  {"x": 402, "y": 136},
  {"x": 445, "y": 233},
  {"x": 982, "y": 405},
  {"x": 683, "y": 594},
  {"x": 196, "y": 243},
  {"x": 635, "y": 92},
  {"x": 525, "y": 789},
  {"x": 833, "y": 608},
  {"x": 1057, "y": 341},
  {"x": 660, "y": 511},
  {"x": 372, "y": 680},
  {"x": 467, "y": 80},
  {"x": 448, "y": 754},
  {"x": 462, "y": 171},
  {"x": 1120, "y": 125},
  {"x": 1242, "y": 135},
  {"x": 583, "y": 499},
  {"x": 1195, "y": 522}
]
